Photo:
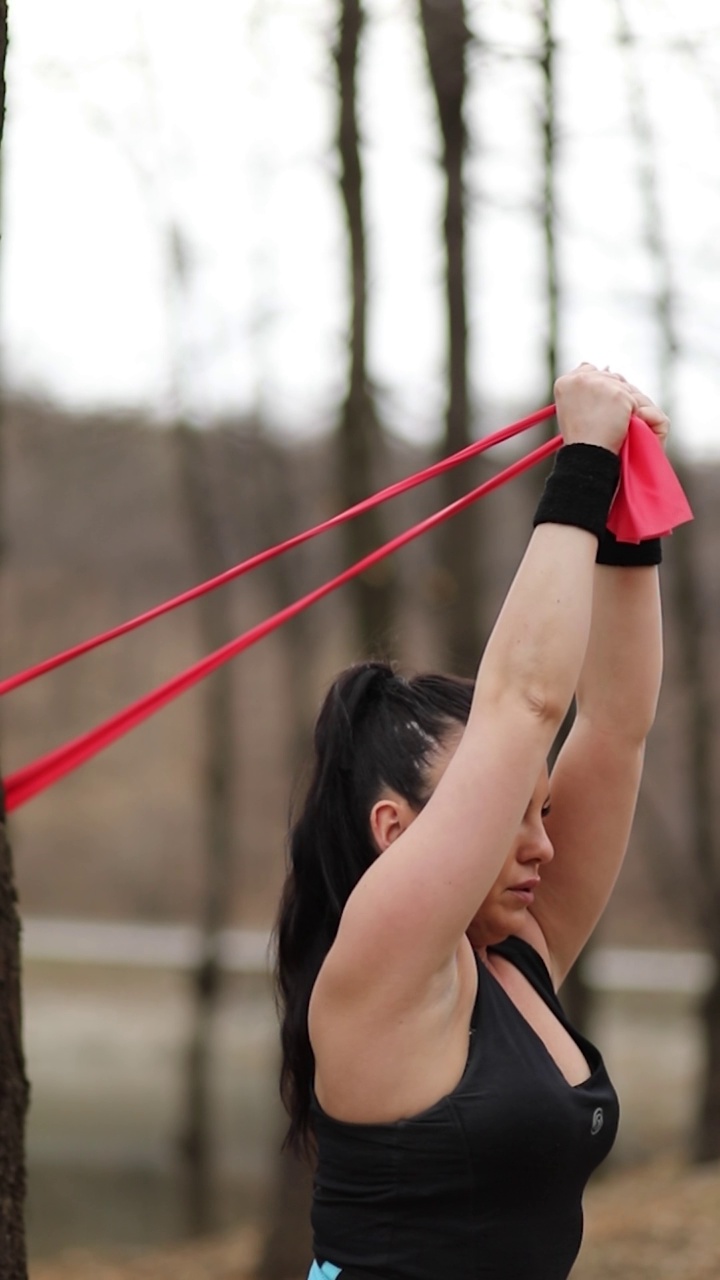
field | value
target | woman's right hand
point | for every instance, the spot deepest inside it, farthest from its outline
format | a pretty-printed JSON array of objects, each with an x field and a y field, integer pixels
[{"x": 594, "y": 407}]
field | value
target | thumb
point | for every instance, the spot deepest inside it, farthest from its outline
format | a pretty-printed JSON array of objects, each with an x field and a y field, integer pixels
[{"x": 658, "y": 421}]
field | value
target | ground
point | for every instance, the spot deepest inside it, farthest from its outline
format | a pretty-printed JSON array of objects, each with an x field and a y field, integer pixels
[
  {"x": 651, "y": 1223},
  {"x": 647, "y": 1223}
]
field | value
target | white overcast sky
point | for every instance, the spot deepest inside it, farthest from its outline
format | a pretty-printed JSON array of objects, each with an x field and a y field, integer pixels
[{"x": 221, "y": 118}]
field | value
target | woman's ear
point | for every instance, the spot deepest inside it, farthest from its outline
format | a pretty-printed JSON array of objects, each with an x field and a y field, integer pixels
[{"x": 389, "y": 817}]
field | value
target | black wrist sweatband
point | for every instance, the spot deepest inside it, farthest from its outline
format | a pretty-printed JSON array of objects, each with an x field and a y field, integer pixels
[
  {"x": 580, "y": 488},
  {"x": 628, "y": 555}
]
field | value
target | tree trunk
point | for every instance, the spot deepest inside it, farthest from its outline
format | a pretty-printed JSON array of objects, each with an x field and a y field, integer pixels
[
  {"x": 446, "y": 35},
  {"x": 549, "y": 203},
  {"x": 14, "y": 1090},
  {"x": 690, "y": 620},
  {"x": 706, "y": 1136},
  {"x": 654, "y": 231},
  {"x": 360, "y": 441},
  {"x": 279, "y": 514},
  {"x": 287, "y": 1248},
  {"x": 219, "y": 778},
  {"x": 689, "y": 613},
  {"x": 13, "y": 1084},
  {"x": 288, "y": 1244},
  {"x": 703, "y": 836},
  {"x": 577, "y": 996}
]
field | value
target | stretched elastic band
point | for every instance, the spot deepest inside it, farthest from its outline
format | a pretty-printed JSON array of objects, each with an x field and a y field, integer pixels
[
  {"x": 392, "y": 491},
  {"x": 38, "y": 776}
]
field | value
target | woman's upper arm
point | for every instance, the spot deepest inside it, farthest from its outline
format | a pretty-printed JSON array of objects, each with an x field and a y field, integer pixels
[
  {"x": 595, "y": 782},
  {"x": 406, "y": 916},
  {"x": 593, "y": 793}
]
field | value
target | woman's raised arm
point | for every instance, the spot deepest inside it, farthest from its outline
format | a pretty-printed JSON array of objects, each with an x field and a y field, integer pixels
[
  {"x": 407, "y": 915},
  {"x": 596, "y": 779}
]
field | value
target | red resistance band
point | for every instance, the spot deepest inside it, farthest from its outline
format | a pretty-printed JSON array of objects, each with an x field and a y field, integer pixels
[
  {"x": 43, "y": 773},
  {"x": 237, "y": 571},
  {"x": 666, "y": 506}
]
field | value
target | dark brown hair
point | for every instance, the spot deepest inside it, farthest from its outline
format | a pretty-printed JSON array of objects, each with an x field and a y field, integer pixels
[{"x": 375, "y": 729}]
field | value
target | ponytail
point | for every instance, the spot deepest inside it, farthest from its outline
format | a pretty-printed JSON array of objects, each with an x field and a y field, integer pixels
[{"x": 375, "y": 729}]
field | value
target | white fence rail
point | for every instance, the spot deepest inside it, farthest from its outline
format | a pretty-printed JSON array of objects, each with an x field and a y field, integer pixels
[
  {"x": 141, "y": 946},
  {"x": 248, "y": 951},
  {"x": 631, "y": 969}
]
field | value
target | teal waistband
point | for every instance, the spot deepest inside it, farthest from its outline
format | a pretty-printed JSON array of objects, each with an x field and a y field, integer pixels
[{"x": 325, "y": 1272}]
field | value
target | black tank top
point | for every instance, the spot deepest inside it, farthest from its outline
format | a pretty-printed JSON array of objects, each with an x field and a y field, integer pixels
[{"x": 487, "y": 1183}]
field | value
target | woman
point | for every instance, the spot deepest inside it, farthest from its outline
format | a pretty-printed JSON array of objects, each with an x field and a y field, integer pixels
[{"x": 441, "y": 887}]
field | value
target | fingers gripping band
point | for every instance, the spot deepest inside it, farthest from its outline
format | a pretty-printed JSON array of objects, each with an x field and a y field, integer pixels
[
  {"x": 628, "y": 555},
  {"x": 580, "y": 488}
]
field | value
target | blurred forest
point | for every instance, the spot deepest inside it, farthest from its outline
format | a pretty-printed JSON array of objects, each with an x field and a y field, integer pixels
[{"x": 165, "y": 1079}]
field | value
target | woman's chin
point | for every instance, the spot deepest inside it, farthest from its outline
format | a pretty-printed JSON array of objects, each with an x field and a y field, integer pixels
[{"x": 487, "y": 934}]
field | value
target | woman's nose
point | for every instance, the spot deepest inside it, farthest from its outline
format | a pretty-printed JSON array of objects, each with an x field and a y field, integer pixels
[{"x": 538, "y": 848}]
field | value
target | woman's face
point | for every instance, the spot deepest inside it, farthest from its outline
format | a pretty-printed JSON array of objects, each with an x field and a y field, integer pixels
[{"x": 505, "y": 907}]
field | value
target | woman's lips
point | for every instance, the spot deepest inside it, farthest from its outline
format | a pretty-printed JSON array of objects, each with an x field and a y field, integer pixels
[{"x": 525, "y": 891}]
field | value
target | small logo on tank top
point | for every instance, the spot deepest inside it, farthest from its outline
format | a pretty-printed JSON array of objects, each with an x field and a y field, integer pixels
[{"x": 597, "y": 1121}]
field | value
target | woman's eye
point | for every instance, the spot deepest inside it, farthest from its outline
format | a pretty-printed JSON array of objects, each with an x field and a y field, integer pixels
[{"x": 546, "y": 810}]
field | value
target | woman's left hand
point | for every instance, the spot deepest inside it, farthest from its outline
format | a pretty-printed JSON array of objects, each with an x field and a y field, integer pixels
[{"x": 646, "y": 409}]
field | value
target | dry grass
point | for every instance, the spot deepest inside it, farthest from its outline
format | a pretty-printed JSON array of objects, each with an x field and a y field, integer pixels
[
  {"x": 651, "y": 1223},
  {"x": 229, "y": 1257}
]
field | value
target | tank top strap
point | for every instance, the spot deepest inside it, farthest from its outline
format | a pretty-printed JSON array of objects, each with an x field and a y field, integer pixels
[
  {"x": 531, "y": 965},
  {"x": 475, "y": 1015}
]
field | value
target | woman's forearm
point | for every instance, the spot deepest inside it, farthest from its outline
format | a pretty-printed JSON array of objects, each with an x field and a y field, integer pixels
[
  {"x": 620, "y": 678},
  {"x": 538, "y": 644}
]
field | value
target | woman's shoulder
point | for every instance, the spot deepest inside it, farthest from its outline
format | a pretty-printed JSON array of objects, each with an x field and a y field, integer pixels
[{"x": 382, "y": 1058}]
